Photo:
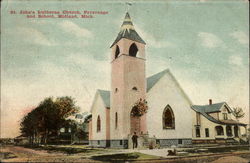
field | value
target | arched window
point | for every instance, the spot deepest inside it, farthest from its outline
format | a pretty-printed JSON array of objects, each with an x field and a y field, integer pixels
[
  {"x": 133, "y": 50},
  {"x": 117, "y": 51},
  {"x": 116, "y": 120},
  {"x": 134, "y": 88},
  {"x": 168, "y": 118},
  {"x": 98, "y": 124}
]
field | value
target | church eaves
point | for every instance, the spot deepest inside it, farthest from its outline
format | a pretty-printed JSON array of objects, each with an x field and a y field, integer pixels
[{"x": 127, "y": 31}]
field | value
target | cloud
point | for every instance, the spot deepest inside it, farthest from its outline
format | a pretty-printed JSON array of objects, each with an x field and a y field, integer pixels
[
  {"x": 241, "y": 37},
  {"x": 235, "y": 60},
  {"x": 74, "y": 29},
  {"x": 35, "y": 36},
  {"x": 209, "y": 40},
  {"x": 151, "y": 40}
]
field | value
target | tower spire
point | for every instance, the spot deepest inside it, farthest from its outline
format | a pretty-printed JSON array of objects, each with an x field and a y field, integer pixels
[{"x": 127, "y": 31}]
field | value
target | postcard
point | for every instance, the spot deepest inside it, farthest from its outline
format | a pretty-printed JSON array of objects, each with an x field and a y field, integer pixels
[{"x": 125, "y": 81}]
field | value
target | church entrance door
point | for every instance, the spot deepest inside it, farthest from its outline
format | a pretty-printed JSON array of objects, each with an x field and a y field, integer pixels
[{"x": 134, "y": 121}]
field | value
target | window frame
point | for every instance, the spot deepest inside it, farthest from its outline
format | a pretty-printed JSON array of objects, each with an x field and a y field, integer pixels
[
  {"x": 98, "y": 125},
  {"x": 207, "y": 132},
  {"x": 168, "y": 108}
]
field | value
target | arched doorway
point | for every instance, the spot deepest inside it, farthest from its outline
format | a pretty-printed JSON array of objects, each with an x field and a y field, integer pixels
[
  {"x": 135, "y": 121},
  {"x": 236, "y": 129}
]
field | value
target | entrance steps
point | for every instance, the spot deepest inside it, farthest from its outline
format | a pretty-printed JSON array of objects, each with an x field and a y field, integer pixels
[{"x": 144, "y": 142}]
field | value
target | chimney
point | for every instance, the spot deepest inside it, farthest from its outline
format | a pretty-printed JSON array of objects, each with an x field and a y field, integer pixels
[{"x": 210, "y": 102}]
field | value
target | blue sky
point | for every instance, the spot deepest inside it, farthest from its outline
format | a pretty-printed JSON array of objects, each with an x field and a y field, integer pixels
[{"x": 203, "y": 43}]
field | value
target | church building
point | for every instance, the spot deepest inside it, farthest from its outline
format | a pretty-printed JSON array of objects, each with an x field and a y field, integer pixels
[{"x": 155, "y": 108}]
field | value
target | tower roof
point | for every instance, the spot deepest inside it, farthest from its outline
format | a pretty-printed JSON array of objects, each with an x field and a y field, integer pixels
[{"x": 127, "y": 31}]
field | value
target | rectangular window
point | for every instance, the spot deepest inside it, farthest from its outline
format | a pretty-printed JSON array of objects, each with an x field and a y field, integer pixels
[
  {"x": 207, "y": 132},
  {"x": 225, "y": 116},
  {"x": 198, "y": 118},
  {"x": 98, "y": 142},
  {"x": 198, "y": 134},
  {"x": 120, "y": 142},
  {"x": 179, "y": 141}
]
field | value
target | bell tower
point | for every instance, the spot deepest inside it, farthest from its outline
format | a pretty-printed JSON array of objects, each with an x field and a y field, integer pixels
[{"x": 128, "y": 81}]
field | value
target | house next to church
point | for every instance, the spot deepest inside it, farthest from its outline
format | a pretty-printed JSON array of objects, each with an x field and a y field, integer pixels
[
  {"x": 216, "y": 123},
  {"x": 154, "y": 107}
]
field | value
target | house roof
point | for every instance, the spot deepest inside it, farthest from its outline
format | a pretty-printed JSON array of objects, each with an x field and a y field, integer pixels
[
  {"x": 206, "y": 109},
  {"x": 127, "y": 31},
  {"x": 210, "y": 108},
  {"x": 105, "y": 95}
]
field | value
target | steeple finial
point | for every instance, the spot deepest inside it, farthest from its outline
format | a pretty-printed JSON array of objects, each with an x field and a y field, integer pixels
[{"x": 127, "y": 6}]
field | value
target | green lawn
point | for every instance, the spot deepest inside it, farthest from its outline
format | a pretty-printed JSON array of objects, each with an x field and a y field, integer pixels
[
  {"x": 124, "y": 157},
  {"x": 69, "y": 149}
]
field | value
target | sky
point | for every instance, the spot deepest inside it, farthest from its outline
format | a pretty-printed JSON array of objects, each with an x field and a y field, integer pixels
[{"x": 204, "y": 43}]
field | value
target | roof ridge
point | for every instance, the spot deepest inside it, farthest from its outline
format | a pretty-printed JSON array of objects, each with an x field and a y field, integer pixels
[{"x": 210, "y": 104}]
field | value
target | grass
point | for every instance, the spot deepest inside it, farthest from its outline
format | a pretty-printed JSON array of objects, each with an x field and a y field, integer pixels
[
  {"x": 218, "y": 149},
  {"x": 124, "y": 157},
  {"x": 68, "y": 149},
  {"x": 7, "y": 155}
]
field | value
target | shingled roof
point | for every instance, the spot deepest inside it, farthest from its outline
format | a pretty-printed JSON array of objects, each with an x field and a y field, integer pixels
[
  {"x": 105, "y": 97},
  {"x": 152, "y": 80},
  {"x": 127, "y": 31},
  {"x": 206, "y": 109}
]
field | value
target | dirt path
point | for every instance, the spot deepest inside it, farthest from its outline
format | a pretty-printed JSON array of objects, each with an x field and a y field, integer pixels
[{"x": 29, "y": 155}]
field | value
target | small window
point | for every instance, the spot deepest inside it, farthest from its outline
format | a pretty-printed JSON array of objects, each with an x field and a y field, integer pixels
[
  {"x": 98, "y": 142},
  {"x": 116, "y": 90},
  {"x": 116, "y": 120},
  {"x": 121, "y": 142},
  {"x": 225, "y": 116},
  {"x": 198, "y": 118},
  {"x": 117, "y": 51},
  {"x": 207, "y": 132},
  {"x": 198, "y": 134},
  {"x": 179, "y": 141},
  {"x": 98, "y": 124},
  {"x": 219, "y": 130},
  {"x": 134, "y": 88}
]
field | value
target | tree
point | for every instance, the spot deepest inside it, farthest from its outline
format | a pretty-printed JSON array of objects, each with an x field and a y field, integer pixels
[
  {"x": 238, "y": 112},
  {"x": 47, "y": 118}
]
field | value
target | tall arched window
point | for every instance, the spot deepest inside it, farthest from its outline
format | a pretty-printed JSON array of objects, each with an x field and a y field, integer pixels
[
  {"x": 116, "y": 120},
  {"x": 98, "y": 124},
  {"x": 168, "y": 118},
  {"x": 117, "y": 51},
  {"x": 133, "y": 50}
]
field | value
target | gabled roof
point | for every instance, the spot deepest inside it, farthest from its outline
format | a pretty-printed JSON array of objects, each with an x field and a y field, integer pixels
[
  {"x": 152, "y": 80},
  {"x": 127, "y": 31},
  {"x": 206, "y": 109},
  {"x": 105, "y": 95},
  {"x": 209, "y": 108}
]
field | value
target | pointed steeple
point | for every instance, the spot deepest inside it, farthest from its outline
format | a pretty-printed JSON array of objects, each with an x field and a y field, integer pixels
[{"x": 127, "y": 31}]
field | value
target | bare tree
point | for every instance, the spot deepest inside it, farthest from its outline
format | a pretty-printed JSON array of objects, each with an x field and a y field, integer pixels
[{"x": 238, "y": 112}]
